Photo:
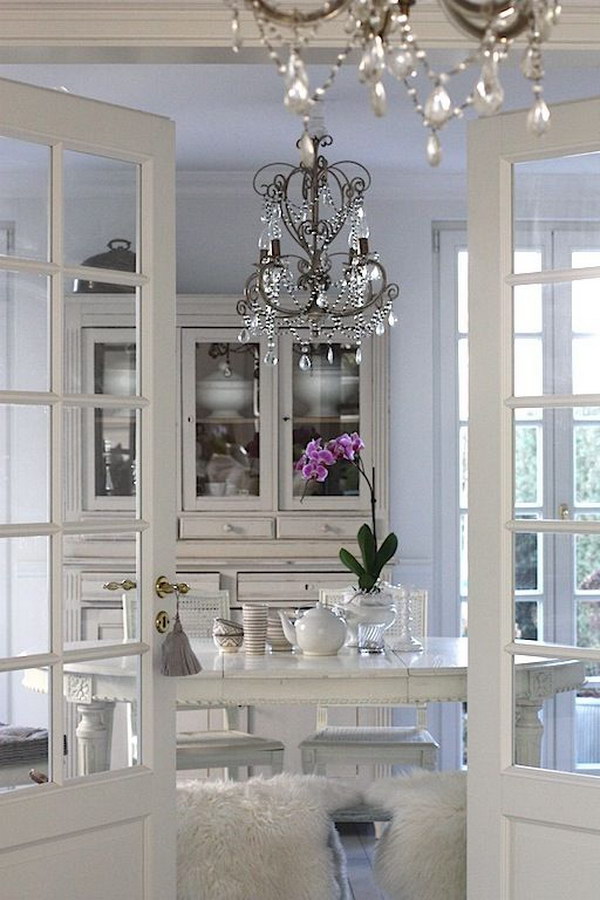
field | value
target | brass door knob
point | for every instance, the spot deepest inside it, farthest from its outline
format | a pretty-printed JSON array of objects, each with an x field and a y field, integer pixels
[
  {"x": 126, "y": 585},
  {"x": 164, "y": 587}
]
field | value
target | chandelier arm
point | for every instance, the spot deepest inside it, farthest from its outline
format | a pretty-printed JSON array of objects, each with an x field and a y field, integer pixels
[
  {"x": 329, "y": 225},
  {"x": 349, "y": 188},
  {"x": 296, "y": 18},
  {"x": 263, "y": 189},
  {"x": 476, "y": 18},
  {"x": 391, "y": 290},
  {"x": 258, "y": 287},
  {"x": 363, "y": 173},
  {"x": 295, "y": 232}
]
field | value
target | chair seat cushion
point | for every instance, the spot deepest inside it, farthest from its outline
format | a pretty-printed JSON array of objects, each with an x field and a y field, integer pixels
[
  {"x": 216, "y": 740},
  {"x": 261, "y": 839},
  {"x": 342, "y": 735}
]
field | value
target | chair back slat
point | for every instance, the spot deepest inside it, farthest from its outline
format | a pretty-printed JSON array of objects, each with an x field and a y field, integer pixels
[
  {"x": 198, "y": 609},
  {"x": 418, "y": 599}
]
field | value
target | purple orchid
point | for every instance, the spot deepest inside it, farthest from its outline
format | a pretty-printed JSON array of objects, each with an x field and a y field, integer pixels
[
  {"x": 314, "y": 472},
  {"x": 346, "y": 446},
  {"x": 314, "y": 465},
  {"x": 315, "y": 460}
]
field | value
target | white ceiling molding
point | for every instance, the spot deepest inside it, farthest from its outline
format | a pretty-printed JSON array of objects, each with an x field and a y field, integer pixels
[{"x": 204, "y": 26}]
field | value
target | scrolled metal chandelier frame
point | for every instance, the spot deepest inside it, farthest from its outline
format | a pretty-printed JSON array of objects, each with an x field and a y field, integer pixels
[
  {"x": 314, "y": 293},
  {"x": 382, "y": 31}
]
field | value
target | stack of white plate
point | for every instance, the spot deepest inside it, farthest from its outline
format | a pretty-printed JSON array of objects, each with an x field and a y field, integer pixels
[{"x": 255, "y": 628}]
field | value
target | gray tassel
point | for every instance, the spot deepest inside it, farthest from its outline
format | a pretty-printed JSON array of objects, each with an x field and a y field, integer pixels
[{"x": 178, "y": 658}]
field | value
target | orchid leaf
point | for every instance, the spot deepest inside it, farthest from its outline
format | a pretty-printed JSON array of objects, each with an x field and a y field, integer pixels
[
  {"x": 351, "y": 562},
  {"x": 368, "y": 548},
  {"x": 386, "y": 551}
]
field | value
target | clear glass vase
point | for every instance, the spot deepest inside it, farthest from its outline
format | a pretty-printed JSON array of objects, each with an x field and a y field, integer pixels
[
  {"x": 404, "y": 638},
  {"x": 362, "y": 609}
]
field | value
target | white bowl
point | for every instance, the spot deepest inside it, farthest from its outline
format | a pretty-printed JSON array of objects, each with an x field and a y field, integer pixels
[
  {"x": 228, "y": 643},
  {"x": 224, "y": 396}
]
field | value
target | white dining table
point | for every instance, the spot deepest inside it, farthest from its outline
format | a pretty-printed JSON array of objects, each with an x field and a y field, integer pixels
[{"x": 436, "y": 674}]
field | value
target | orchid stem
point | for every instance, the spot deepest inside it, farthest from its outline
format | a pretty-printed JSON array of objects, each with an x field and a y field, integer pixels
[{"x": 371, "y": 485}]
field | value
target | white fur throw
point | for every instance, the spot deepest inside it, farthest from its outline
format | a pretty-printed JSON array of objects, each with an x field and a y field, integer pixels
[
  {"x": 422, "y": 853},
  {"x": 261, "y": 839}
]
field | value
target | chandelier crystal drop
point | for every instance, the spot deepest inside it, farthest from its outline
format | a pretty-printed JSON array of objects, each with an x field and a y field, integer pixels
[
  {"x": 313, "y": 292},
  {"x": 382, "y": 32}
]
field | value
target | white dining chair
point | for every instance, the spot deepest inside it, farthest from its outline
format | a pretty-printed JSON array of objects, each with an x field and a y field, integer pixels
[
  {"x": 228, "y": 747},
  {"x": 388, "y": 745}
]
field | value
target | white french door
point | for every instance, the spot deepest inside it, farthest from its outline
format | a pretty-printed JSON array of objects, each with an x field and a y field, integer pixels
[
  {"x": 533, "y": 831},
  {"x": 94, "y": 719}
]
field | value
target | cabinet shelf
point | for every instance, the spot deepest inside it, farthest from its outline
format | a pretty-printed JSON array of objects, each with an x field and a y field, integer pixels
[
  {"x": 342, "y": 417},
  {"x": 229, "y": 420}
]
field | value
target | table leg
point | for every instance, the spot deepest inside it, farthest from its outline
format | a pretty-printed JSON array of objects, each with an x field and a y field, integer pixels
[
  {"x": 94, "y": 736},
  {"x": 528, "y": 733}
]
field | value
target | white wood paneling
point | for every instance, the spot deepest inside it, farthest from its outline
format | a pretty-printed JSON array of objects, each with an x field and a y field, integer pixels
[
  {"x": 75, "y": 866},
  {"x": 206, "y": 24},
  {"x": 551, "y": 862}
]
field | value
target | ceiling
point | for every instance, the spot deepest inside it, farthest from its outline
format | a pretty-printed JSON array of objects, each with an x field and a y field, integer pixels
[{"x": 231, "y": 117}]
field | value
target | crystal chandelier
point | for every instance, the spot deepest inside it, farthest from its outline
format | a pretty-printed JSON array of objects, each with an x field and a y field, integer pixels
[
  {"x": 381, "y": 30},
  {"x": 312, "y": 292}
]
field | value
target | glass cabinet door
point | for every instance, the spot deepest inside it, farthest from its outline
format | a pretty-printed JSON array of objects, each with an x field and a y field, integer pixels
[
  {"x": 222, "y": 389},
  {"x": 324, "y": 401}
]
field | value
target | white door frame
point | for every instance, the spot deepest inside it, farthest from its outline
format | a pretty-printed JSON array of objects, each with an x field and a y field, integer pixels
[{"x": 505, "y": 801}]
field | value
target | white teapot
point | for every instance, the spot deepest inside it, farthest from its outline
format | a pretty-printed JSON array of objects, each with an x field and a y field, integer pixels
[{"x": 319, "y": 632}]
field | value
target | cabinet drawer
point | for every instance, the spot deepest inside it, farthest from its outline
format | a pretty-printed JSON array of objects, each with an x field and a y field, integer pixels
[
  {"x": 219, "y": 528},
  {"x": 319, "y": 527},
  {"x": 201, "y": 581},
  {"x": 292, "y": 588}
]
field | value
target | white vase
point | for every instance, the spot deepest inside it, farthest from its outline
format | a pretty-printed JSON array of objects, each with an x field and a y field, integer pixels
[
  {"x": 224, "y": 395},
  {"x": 319, "y": 390}
]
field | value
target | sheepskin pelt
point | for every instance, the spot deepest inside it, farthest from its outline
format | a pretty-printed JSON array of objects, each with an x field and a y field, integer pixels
[
  {"x": 261, "y": 839},
  {"x": 422, "y": 853}
]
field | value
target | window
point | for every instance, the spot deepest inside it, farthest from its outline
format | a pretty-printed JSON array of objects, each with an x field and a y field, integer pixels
[{"x": 556, "y": 451}]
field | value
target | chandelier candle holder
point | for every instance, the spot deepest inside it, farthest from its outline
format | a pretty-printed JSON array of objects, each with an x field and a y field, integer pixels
[
  {"x": 382, "y": 32},
  {"x": 314, "y": 293}
]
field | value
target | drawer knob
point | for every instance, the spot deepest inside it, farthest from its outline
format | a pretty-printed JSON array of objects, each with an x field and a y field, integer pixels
[
  {"x": 326, "y": 527},
  {"x": 227, "y": 528}
]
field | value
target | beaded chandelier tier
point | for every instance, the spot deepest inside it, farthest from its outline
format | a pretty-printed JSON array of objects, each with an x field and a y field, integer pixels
[
  {"x": 382, "y": 32},
  {"x": 313, "y": 292}
]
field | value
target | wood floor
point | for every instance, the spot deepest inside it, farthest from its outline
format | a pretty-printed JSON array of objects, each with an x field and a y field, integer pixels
[{"x": 359, "y": 845}]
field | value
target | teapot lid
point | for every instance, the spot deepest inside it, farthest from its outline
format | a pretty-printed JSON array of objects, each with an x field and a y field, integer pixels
[{"x": 319, "y": 608}]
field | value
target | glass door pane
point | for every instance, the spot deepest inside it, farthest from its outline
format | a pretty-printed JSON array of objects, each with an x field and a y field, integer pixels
[
  {"x": 556, "y": 343},
  {"x": 325, "y": 404},
  {"x": 24, "y": 199},
  {"x": 559, "y": 190},
  {"x": 222, "y": 389},
  {"x": 107, "y": 239}
]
